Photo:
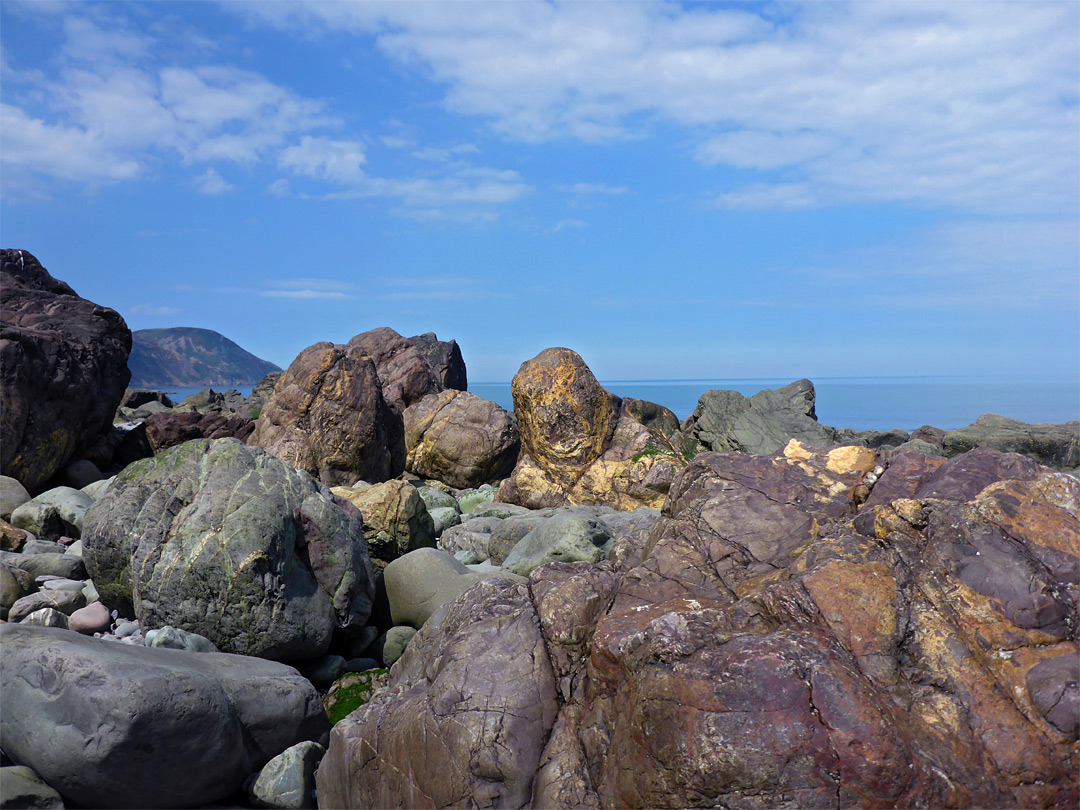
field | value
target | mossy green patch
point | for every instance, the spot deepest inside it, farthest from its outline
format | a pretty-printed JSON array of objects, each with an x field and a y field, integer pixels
[{"x": 351, "y": 692}]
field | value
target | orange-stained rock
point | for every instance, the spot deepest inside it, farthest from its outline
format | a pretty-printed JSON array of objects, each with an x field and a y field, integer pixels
[{"x": 579, "y": 445}]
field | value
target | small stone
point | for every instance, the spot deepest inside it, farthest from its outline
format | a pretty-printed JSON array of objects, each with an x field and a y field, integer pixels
[
  {"x": 397, "y": 639},
  {"x": 47, "y": 617},
  {"x": 12, "y": 495},
  {"x": 90, "y": 620},
  {"x": 176, "y": 639},
  {"x": 125, "y": 628},
  {"x": 12, "y": 538},
  {"x": 288, "y": 780},
  {"x": 63, "y": 584}
]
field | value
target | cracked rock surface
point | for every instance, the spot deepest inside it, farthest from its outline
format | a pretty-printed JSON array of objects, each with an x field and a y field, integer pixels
[{"x": 786, "y": 635}]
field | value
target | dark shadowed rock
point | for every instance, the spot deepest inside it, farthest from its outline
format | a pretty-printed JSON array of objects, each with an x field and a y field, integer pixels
[
  {"x": 226, "y": 541},
  {"x": 1056, "y": 446},
  {"x": 473, "y": 701},
  {"x": 411, "y": 368},
  {"x": 63, "y": 370},
  {"x": 460, "y": 439},
  {"x": 171, "y": 428},
  {"x": 106, "y": 724},
  {"x": 327, "y": 416}
]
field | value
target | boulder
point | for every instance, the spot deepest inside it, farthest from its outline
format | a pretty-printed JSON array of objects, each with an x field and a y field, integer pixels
[
  {"x": 412, "y": 368},
  {"x": 63, "y": 370},
  {"x": 67, "y": 602},
  {"x": 94, "y": 618},
  {"x": 726, "y": 421},
  {"x": 564, "y": 537},
  {"x": 12, "y": 495},
  {"x": 176, "y": 639},
  {"x": 1055, "y": 446},
  {"x": 472, "y": 500},
  {"x": 210, "y": 401},
  {"x": 396, "y": 521},
  {"x": 578, "y": 444},
  {"x": 46, "y": 617},
  {"x": 69, "y": 566},
  {"x": 58, "y": 512},
  {"x": 226, "y": 541},
  {"x": 171, "y": 428},
  {"x": 12, "y": 538},
  {"x": 473, "y": 703},
  {"x": 21, "y": 787},
  {"x": 135, "y": 398},
  {"x": 106, "y": 724},
  {"x": 327, "y": 416},
  {"x": 422, "y": 581},
  {"x": 288, "y": 780},
  {"x": 260, "y": 395},
  {"x": 459, "y": 439}
]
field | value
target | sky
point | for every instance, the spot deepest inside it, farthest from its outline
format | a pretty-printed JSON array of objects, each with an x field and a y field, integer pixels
[{"x": 673, "y": 190}]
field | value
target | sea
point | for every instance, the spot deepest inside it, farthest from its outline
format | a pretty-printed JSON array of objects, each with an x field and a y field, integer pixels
[{"x": 860, "y": 403}]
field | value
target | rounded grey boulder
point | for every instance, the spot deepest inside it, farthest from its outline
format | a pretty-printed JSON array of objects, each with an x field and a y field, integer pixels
[
  {"x": 116, "y": 725},
  {"x": 565, "y": 537},
  {"x": 224, "y": 540}
]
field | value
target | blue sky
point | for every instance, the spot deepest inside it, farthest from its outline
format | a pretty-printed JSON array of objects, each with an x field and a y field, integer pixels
[{"x": 701, "y": 190}]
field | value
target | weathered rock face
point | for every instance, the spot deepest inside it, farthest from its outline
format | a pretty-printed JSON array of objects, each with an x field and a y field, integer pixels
[
  {"x": 106, "y": 724},
  {"x": 460, "y": 439},
  {"x": 226, "y": 541},
  {"x": 396, "y": 521},
  {"x": 412, "y": 368},
  {"x": 781, "y": 641},
  {"x": 63, "y": 370},
  {"x": 327, "y": 416},
  {"x": 577, "y": 444},
  {"x": 1054, "y": 445},
  {"x": 171, "y": 428},
  {"x": 473, "y": 702},
  {"x": 726, "y": 421}
]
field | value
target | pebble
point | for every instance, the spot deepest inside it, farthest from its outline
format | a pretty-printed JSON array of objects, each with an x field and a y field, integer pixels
[
  {"x": 63, "y": 584},
  {"x": 126, "y": 628},
  {"x": 92, "y": 619}
]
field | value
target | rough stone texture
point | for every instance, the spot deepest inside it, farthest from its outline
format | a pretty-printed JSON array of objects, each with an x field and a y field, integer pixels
[
  {"x": 726, "y": 421},
  {"x": 412, "y": 368},
  {"x": 396, "y": 521},
  {"x": 12, "y": 495},
  {"x": 21, "y": 787},
  {"x": 464, "y": 720},
  {"x": 460, "y": 439},
  {"x": 106, "y": 724},
  {"x": 68, "y": 566},
  {"x": 562, "y": 538},
  {"x": 67, "y": 602},
  {"x": 226, "y": 541},
  {"x": 171, "y": 428},
  {"x": 777, "y": 640},
  {"x": 327, "y": 416},
  {"x": 422, "y": 581},
  {"x": 260, "y": 395},
  {"x": 1053, "y": 445},
  {"x": 578, "y": 446},
  {"x": 57, "y": 512},
  {"x": 63, "y": 370},
  {"x": 12, "y": 538},
  {"x": 47, "y": 617},
  {"x": 288, "y": 780}
]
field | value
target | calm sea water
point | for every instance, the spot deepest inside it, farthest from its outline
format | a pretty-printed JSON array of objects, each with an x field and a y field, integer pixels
[
  {"x": 867, "y": 403},
  {"x": 863, "y": 403}
]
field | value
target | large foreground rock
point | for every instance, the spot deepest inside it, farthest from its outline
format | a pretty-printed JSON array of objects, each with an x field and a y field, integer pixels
[
  {"x": 411, "y": 368},
  {"x": 473, "y": 701},
  {"x": 579, "y": 445},
  {"x": 780, "y": 641},
  {"x": 226, "y": 541},
  {"x": 116, "y": 725},
  {"x": 63, "y": 370},
  {"x": 327, "y": 416},
  {"x": 726, "y": 421},
  {"x": 460, "y": 439}
]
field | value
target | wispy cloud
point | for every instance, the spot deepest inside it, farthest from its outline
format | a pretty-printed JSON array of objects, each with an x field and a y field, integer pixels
[
  {"x": 593, "y": 188},
  {"x": 565, "y": 224},
  {"x": 930, "y": 103},
  {"x": 306, "y": 294},
  {"x": 150, "y": 309},
  {"x": 210, "y": 182}
]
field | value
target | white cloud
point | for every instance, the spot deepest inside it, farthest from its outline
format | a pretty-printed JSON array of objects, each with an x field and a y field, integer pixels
[
  {"x": 150, "y": 309},
  {"x": 306, "y": 294},
  {"x": 210, "y": 182},
  {"x": 789, "y": 196},
  {"x": 564, "y": 224},
  {"x": 593, "y": 188},
  {"x": 326, "y": 159},
  {"x": 958, "y": 104}
]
